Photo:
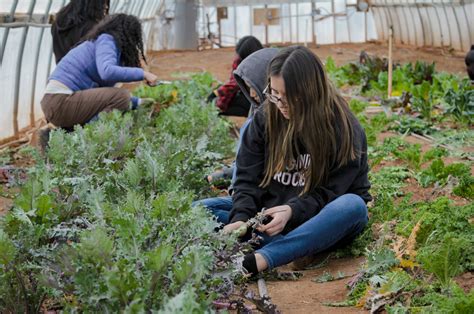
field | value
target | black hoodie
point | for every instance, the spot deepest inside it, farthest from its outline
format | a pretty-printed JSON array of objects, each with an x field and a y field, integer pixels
[
  {"x": 284, "y": 189},
  {"x": 66, "y": 37},
  {"x": 470, "y": 63}
]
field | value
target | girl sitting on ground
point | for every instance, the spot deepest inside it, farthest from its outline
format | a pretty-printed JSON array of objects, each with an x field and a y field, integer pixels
[
  {"x": 230, "y": 101},
  {"x": 81, "y": 86},
  {"x": 303, "y": 161},
  {"x": 74, "y": 21}
]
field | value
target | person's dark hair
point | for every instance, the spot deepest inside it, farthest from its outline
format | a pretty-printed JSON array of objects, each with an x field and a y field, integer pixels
[
  {"x": 470, "y": 63},
  {"x": 128, "y": 35},
  {"x": 319, "y": 119},
  {"x": 77, "y": 12},
  {"x": 247, "y": 45}
]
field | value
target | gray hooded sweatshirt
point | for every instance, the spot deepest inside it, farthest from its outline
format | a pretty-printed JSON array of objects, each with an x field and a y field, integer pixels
[{"x": 254, "y": 70}]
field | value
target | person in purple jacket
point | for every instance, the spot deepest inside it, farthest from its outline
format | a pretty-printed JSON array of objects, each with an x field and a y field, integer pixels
[{"x": 82, "y": 85}]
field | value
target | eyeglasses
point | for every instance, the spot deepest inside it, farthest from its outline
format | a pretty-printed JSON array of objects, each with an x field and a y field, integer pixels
[{"x": 273, "y": 98}]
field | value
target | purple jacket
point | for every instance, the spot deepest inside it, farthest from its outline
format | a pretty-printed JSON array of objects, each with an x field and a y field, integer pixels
[{"x": 94, "y": 64}]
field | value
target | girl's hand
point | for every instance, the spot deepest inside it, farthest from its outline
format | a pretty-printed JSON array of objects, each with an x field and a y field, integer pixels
[
  {"x": 150, "y": 78},
  {"x": 235, "y": 227},
  {"x": 281, "y": 215}
]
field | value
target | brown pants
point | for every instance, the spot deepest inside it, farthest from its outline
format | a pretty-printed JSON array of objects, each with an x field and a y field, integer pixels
[{"x": 80, "y": 107}]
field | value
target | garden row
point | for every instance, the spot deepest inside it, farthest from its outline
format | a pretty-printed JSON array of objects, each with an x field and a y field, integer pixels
[{"x": 105, "y": 223}]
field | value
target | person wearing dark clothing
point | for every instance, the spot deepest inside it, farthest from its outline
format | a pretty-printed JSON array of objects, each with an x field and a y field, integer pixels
[
  {"x": 82, "y": 85},
  {"x": 251, "y": 77},
  {"x": 302, "y": 163},
  {"x": 230, "y": 100},
  {"x": 470, "y": 63},
  {"x": 74, "y": 21}
]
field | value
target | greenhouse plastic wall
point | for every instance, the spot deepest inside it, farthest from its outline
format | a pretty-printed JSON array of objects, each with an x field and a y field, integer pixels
[
  {"x": 26, "y": 57},
  {"x": 438, "y": 23},
  {"x": 320, "y": 22}
]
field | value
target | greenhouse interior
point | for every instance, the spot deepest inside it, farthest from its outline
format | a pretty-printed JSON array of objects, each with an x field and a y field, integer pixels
[{"x": 234, "y": 156}]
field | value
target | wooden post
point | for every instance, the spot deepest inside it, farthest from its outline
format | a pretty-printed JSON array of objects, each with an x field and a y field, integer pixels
[
  {"x": 333, "y": 11},
  {"x": 262, "y": 288},
  {"x": 291, "y": 22},
  {"x": 390, "y": 61},
  {"x": 365, "y": 26},
  {"x": 251, "y": 19},
  {"x": 280, "y": 20},
  {"x": 235, "y": 25},
  {"x": 219, "y": 28},
  {"x": 306, "y": 34},
  {"x": 266, "y": 24},
  {"x": 313, "y": 32},
  {"x": 297, "y": 22}
]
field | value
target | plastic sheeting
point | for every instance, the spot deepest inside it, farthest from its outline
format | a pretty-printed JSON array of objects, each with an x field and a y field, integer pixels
[
  {"x": 320, "y": 22},
  {"x": 437, "y": 23},
  {"x": 28, "y": 59}
]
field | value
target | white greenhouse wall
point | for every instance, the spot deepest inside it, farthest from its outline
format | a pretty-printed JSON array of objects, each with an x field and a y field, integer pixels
[
  {"x": 438, "y": 23},
  {"x": 295, "y": 24}
]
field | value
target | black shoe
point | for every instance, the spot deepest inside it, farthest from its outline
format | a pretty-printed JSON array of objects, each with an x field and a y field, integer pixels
[
  {"x": 43, "y": 139},
  {"x": 250, "y": 264}
]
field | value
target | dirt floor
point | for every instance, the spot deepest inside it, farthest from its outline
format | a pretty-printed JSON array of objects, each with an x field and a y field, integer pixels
[
  {"x": 168, "y": 64},
  {"x": 307, "y": 296}
]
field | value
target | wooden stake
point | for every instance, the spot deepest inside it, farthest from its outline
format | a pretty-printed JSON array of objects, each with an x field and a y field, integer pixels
[
  {"x": 219, "y": 29},
  {"x": 313, "y": 33},
  {"x": 267, "y": 21},
  {"x": 390, "y": 61},
  {"x": 306, "y": 34},
  {"x": 262, "y": 288}
]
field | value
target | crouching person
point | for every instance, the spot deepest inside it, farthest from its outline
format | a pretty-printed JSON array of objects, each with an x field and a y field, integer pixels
[{"x": 81, "y": 86}]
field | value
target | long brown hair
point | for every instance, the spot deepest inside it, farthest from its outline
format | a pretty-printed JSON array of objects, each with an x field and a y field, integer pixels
[{"x": 320, "y": 119}]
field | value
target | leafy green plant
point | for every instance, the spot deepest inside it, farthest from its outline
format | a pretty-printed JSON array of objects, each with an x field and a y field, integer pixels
[
  {"x": 433, "y": 153},
  {"x": 439, "y": 219},
  {"x": 388, "y": 181},
  {"x": 361, "y": 73},
  {"x": 411, "y": 154},
  {"x": 108, "y": 226},
  {"x": 422, "y": 99},
  {"x": 358, "y": 106},
  {"x": 451, "y": 300},
  {"x": 443, "y": 259},
  {"x": 460, "y": 102},
  {"x": 5, "y": 157},
  {"x": 409, "y": 124},
  {"x": 439, "y": 173},
  {"x": 374, "y": 125},
  {"x": 400, "y": 82},
  {"x": 422, "y": 71}
]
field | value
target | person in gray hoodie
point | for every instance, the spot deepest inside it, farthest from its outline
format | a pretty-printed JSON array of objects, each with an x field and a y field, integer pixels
[{"x": 251, "y": 76}]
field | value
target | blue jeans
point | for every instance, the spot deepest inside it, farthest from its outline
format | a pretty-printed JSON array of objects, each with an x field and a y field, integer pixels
[
  {"x": 338, "y": 222},
  {"x": 218, "y": 206}
]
